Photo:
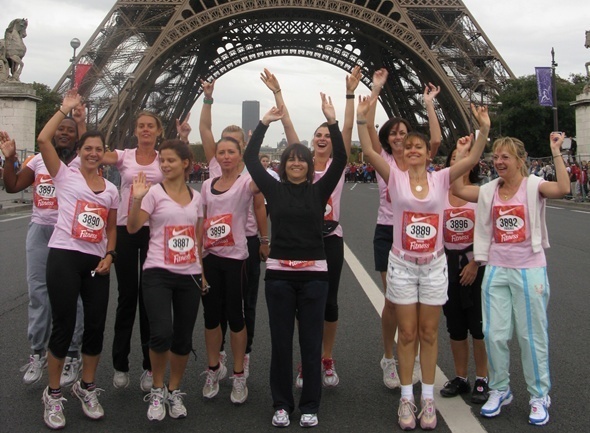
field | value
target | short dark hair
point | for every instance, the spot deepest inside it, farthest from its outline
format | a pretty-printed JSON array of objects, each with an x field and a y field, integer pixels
[
  {"x": 301, "y": 152},
  {"x": 92, "y": 134},
  {"x": 181, "y": 149},
  {"x": 419, "y": 136},
  {"x": 386, "y": 129}
]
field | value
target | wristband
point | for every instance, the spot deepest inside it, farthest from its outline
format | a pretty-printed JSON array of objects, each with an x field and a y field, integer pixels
[
  {"x": 361, "y": 122},
  {"x": 277, "y": 91},
  {"x": 65, "y": 115},
  {"x": 349, "y": 96},
  {"x": 208, "y": 101},
  {"x": 111, "y": 253}
]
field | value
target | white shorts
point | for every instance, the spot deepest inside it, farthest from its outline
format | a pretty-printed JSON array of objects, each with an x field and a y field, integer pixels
[{"x": 409, "y": 283}]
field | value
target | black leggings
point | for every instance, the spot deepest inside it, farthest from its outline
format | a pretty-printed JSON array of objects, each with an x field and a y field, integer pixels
[
  {"x": 172, "y": 303},
  {"x": 227, "y": 278},
  {"x": 68, "y": 276},
  {"x": 334, "y": 248}
]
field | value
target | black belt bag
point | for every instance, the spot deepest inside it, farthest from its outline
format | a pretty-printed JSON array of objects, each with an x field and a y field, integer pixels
[{"x": 329, "y": 227}]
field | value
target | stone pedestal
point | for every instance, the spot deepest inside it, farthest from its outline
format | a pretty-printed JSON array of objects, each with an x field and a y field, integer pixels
[
  {"x": 582, "y": 105},
  {"x": 18, "y": 108}
]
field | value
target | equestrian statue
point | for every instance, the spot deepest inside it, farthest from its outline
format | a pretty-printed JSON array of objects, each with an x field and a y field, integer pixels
[{"x": 12, "y": 50}]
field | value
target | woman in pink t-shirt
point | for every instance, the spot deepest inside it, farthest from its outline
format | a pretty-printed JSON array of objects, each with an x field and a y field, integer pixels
[
  {"x": 417, "y": 277},
  {"x": 510, "y": 237},
  {"x": 172, "y": 272},
  {"x": 79, "y": 261}
]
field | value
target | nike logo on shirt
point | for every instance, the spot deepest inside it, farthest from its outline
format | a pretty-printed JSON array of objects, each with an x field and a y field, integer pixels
[
  {"x": 415, "y": 220},
  {"x": 504, "y": 212},
  {"x": 454, "y": 215},
  {"x": 176, "y": 233}
]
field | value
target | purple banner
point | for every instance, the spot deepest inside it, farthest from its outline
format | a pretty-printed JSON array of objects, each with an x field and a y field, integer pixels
[{"x": 544, "y": 86}]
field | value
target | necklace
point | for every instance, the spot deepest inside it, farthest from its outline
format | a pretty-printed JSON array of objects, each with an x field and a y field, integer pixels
[{"x": 418, "y": 188}]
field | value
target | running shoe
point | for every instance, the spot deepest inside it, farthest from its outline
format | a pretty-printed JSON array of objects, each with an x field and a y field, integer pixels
[
  {"x": 146, "y": 381},
  {"x": 479, "y": 395},
  {"x": 54, "y": 410},
  {"x": 281, "y": 418},
  {"x": 427, "y": 415},
  {"x": 89, "y": 399},
  {"x": 157, "y": 408},
  {"x": 390, "y": 376},
  {"x": 34, "y": 368},
  {"x": 407, "y": 414},
  {"x": 329, "y": 376},
  {"x": 455, "y": 387},
  {"x": 496, "y": 400},
  {"x": 539, "y": 414},
  {"x": 121, "y": 379},
  {"x": 247, "y": 365},
  {"x": 211, "y": 387},
  {"x": 299, "y": 378},
  {"x": 69, "y": 374},
  {"x": 175, "y": 403},
  {"x": 308, "y": 420},
  {"x": 239, "y": 392}
]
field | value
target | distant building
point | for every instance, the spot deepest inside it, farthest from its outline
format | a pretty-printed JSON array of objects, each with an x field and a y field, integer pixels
[{"x": 250, "y": 115}]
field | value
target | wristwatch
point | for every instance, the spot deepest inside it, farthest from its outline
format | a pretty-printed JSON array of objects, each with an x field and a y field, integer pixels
[{"x": 113, "y": 255}]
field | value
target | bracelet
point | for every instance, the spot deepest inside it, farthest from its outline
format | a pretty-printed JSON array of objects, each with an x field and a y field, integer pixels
[
  {"x": 208, "y": 101},
  {"x": 264, "y": 242},
  {"x": 277, "y": 91},
  {"x": 361, "y": 122},
  {"x": 349, "y": 96},
  {"x": 65, "y": 115},
  {"x": 111, "y": 253}
]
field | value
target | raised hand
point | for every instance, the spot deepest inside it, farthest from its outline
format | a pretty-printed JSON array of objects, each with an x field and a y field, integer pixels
[
  {"x": 270, "y": 80},
  {"x": 7, "y": 145},
  {"x": 463, "y": 145},
  {"x": 430, "y": 93},
  {"x": 183, "y": 129},
  {"x": 140, "y": 186},
  {"x": 556, "y": 141},
  {"x": 273, "y": 115},
  {"x": 352, "y": 80},
  {"x": 79, "y": 113},
  {"x": 481, "y": 115},
  {"x": 71, "y": 100},
  {"x": 208, "y": 88},
  {"x": 380, "y": 78},
  {"x": 363, "y": 107},
  {"x": 328, "y": 108}
]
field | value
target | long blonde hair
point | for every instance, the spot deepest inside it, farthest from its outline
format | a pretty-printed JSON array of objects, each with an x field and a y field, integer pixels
[{"x": 514, "y": 147}]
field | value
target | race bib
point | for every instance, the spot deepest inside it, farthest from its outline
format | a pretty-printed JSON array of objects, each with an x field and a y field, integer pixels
[
  {"x": 419, "y": 231},
  {"x": 44, "y": 192},
  {"x": 89, "y": 221},
  {"x": 218, "y": 231},
  {"x": 297, "y": 264},
  {"x": 329, "y": 211},
  {"x": 180, "y": 245},
  {"x": 458, "y": 225},
  {"x": 509, "y": 224}
]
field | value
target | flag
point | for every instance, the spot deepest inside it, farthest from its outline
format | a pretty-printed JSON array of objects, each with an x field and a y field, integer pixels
[
  {"x": 545, "y": 86},
  {"x": 81, "y": 70}
]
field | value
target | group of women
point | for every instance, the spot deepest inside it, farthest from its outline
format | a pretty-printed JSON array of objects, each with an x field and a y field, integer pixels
[{"x": 174, "y": 246}]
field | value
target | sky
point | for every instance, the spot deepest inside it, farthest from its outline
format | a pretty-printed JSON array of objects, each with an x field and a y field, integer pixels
[{"x": 523, "y": 32}]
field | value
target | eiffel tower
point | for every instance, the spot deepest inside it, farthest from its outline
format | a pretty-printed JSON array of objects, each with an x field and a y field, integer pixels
[{"x": 148, "y": 53}]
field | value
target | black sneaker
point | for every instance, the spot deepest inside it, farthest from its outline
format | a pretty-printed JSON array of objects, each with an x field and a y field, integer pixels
[
  {"x": 479, "y": 395},
  {"x": 455, "y": 387}
]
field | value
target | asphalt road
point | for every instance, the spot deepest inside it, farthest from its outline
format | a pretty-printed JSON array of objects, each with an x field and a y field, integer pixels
[{"x": 360, "y": 403}]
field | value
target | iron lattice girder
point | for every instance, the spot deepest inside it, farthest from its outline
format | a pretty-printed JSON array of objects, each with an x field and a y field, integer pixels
[{"x": 168, "y": 44}]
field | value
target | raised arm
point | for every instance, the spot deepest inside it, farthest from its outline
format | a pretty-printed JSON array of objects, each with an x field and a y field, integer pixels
[
  {"x": 458, "y": 187},
  {"x": 561, "y": 186},
  {"x": 369, "y": 152},
  {"x": 379, "y": 80},
  {"x": 205, "y": 123},
  {"x": 352, "y": 82},
  {"x": 272, "y": 83},
  {"x": 79, "y": 116},
  {"x": 464, "y": 165},
  {"x": 50, "y": 157},
  {"x": 13, "y": 181},
  {"x": 430, "y": 93},
  {"x": 183, "y": 129}
]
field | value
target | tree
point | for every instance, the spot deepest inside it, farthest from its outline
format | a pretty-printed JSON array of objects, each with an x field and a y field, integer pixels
[
  {"x": 521, "y": 115},
  {"x": 47, "y": 106}
]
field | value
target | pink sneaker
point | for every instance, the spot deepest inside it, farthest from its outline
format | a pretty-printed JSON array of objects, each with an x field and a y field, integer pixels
[{"x": 427, "y": 415}]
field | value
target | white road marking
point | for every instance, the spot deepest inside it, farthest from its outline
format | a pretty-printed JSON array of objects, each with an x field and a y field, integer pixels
[
  {"x": 455, "y": 411},
  {"x": 553, "y": 207},
  {"x": 15, "y": 218},
  {"x": 353, "y": 186},
  {"x": 580, "y": 211}
]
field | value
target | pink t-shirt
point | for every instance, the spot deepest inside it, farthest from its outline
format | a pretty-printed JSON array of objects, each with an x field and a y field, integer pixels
[
  {"x": 82, "y": 216},
  {"x": 297, "y": 265},
  {"x": 44, "y": 193},
  {"x": 173, "y": 238},
  {"x": 224, "y": 229},
  {"x": 418, "y": 222},
  {"x": 332, "y": 211},
  {"x": 128, "y": 168},
  {"x": 511, "y": 245},
  {"x": 458, "y": 225},
  {"x": 385, "y": 211}
]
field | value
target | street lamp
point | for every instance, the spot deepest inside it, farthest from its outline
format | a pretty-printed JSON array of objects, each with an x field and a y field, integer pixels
[
  {"x": 75, "y": 44},
  {"x": 500, "y": 116},
  {"x": 481, "y": 85}
]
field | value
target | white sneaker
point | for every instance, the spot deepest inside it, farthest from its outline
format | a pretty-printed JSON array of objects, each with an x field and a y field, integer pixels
[
  {"x": 281, "y": 418},
  {"x": 211, "y": 387},
  {"x": 390, "y": 376},
  {"x": 417, "y": 373},
  {"x": 146, "y": 381},
  {"x": 496, "y": 399},
  {"x": 539, "y": 414},
  {"x": 175, "y": 403},
  {"x": 54, "y": 410},
  {"x": 157, "y": 408},
  {"x": 121, "y": 379},
  {"x": 247, "y": 365},
  {"x": 223, "y": 357},
  {"x": 329, "y": 376},
  {"x": 299, "y": 378},
  {"x": 239, "y": 392},
  {"x": 308, "y": 420},
  {"x": 34, "y": 369},
  {"x": 69, "y": 374},
  {"x": 89, "y": 399}
]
